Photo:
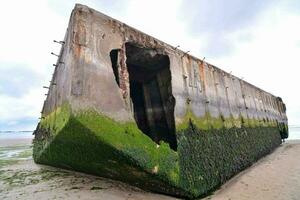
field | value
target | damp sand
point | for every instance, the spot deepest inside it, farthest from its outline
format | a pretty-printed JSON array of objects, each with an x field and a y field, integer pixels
[{"x": 276, "y": 176}]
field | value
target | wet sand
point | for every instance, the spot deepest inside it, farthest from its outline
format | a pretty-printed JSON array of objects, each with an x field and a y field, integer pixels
[
  {"x": 21, "y": 178},
  {"x": 276, "y": 176},
  {"x": 13, "y": 142}
]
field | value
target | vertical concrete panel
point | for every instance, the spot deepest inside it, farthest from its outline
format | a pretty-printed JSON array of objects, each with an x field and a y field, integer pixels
[
  {"x": 240, "y": 99},
  {"x": 270, "y": 111},
  {"x": 267, "y": 106},
  {"x": 232, "y": 96},
  {"x": 256, "y": 101},
  {"x": 247, "y": 100},
  {"x": 197, "y": 94},
  {"x": 60, "y": 85},
  {"x": 210, "y": 92},
  {"x": 263, "y": 105},
  {"x": 252, "y": 96},
  {"x": 179, "y": 85},
  {"x": 277, "y": 114},
  {"x": 222, "y": 93}
]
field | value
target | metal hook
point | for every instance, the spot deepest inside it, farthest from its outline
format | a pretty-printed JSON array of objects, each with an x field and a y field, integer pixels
[
  {"x": 54, "y": 54},
  {"x": 59, "y": 42},
  {"x": 185, "y": 53}
]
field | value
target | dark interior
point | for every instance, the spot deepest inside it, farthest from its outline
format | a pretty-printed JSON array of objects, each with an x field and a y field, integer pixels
[
  {"x": 151, "y": 93},
  {"x": 114, "y": 63}
]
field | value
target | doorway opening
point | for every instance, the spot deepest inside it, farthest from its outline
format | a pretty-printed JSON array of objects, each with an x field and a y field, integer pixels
[{"x": 151, "y": 93}]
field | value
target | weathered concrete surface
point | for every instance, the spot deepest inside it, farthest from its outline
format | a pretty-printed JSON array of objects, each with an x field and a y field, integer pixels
[{"x": 110, "y": 75}]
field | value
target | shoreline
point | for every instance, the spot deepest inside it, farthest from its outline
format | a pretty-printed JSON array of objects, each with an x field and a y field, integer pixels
[
  {"x": 14, "y": 142},
  {"x": 275, "y": 176}
]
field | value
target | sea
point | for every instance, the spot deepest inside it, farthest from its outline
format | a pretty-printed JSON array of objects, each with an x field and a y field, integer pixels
[
  {"x": 294, "y": 134},
  {"x": 4, "y": 135}
]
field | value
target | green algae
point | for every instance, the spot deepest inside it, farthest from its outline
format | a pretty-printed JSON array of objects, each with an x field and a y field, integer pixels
[
  {"x": 209, "y": 158},
  {"x": 96, "y": 144},
  {"x": 208, "y": 122},
  {"x": 210, "y": 150},
  {"x": 10, "y": 155}
]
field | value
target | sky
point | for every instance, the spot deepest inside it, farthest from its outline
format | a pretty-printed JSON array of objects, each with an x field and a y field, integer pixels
[{"x": 257, "y": 40}]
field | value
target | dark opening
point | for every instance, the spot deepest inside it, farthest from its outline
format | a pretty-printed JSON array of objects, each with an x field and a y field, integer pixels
[
  {"x": 114, "y": 63},
  {"x": 151, "y": 93}
]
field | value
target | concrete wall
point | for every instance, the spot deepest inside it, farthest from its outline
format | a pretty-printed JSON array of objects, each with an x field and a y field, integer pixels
[
  {"x": 84, "y": 77},
  {"x": 223, "y": 124}
]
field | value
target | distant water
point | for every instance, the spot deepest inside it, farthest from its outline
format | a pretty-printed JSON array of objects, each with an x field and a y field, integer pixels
[
  {"x": 294, "y": 133},
  {"x": 15, "y": 146},
  {"x": 16, "y": 135}
]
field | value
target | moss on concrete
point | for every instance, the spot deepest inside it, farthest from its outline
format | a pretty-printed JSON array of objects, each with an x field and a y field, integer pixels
[
  {"x": 209, "y": 152},
  {"x": 209, "y": 158},
  {"x": 96, "y": 144}
]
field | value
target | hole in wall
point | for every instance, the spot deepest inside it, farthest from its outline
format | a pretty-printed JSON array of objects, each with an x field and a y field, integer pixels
[
  {"x": 150, "y": 91},
  {"x": 114, "y": 54}
]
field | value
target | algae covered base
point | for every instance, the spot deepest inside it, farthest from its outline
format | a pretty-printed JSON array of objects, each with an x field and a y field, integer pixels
[{"x": 93, "y": 143}]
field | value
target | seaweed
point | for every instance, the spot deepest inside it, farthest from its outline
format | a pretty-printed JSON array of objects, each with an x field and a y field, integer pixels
[{"x": 208, "y": 153}]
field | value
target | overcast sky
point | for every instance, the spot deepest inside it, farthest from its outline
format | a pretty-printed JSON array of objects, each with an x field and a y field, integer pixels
[{"x": 255, "y": 39}]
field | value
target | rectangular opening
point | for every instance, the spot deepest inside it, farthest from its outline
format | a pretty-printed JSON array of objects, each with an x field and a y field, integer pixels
[{"x": 151, "y": 93}]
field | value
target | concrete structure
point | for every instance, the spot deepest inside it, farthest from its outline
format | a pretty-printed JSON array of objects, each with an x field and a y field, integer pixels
[{"x": 125, "y": 105}]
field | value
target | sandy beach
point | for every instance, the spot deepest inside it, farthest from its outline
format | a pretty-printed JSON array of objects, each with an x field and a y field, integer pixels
[{"x": 276, "y": 176}]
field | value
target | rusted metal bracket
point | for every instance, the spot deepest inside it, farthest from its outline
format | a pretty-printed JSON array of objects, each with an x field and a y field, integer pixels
[
  {"x": 59, "y": 42},
  {"x": 54, "y": 54},
  {"x": 176, "y": 47},
  {"x": 185, "y": 54}
]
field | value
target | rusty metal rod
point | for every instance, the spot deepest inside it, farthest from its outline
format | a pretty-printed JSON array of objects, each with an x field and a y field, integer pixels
[
  {"x": 59, "y": 42},
  {"x": 185, "y": 53},
  {"x": 54, "y": 54}
]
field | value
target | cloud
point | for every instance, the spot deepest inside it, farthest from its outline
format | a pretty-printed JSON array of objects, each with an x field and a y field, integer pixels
[
  {"x": 222, "y": 16},
  {"x": 112, "y": 8},
  {"x": 24, "y": 111},
  {"x": 21, "y": 124},
  {"x": 215, "y": 21},
  {"x": 292, "y": 6},
  {"x": 16, "y": 79},
  {"x": 258, "y": 40}
]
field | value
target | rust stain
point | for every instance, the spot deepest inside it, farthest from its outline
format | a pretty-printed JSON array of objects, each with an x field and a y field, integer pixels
[
  {"x": 202, "y": 74},
  {"x": 124, "y": 75}
]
